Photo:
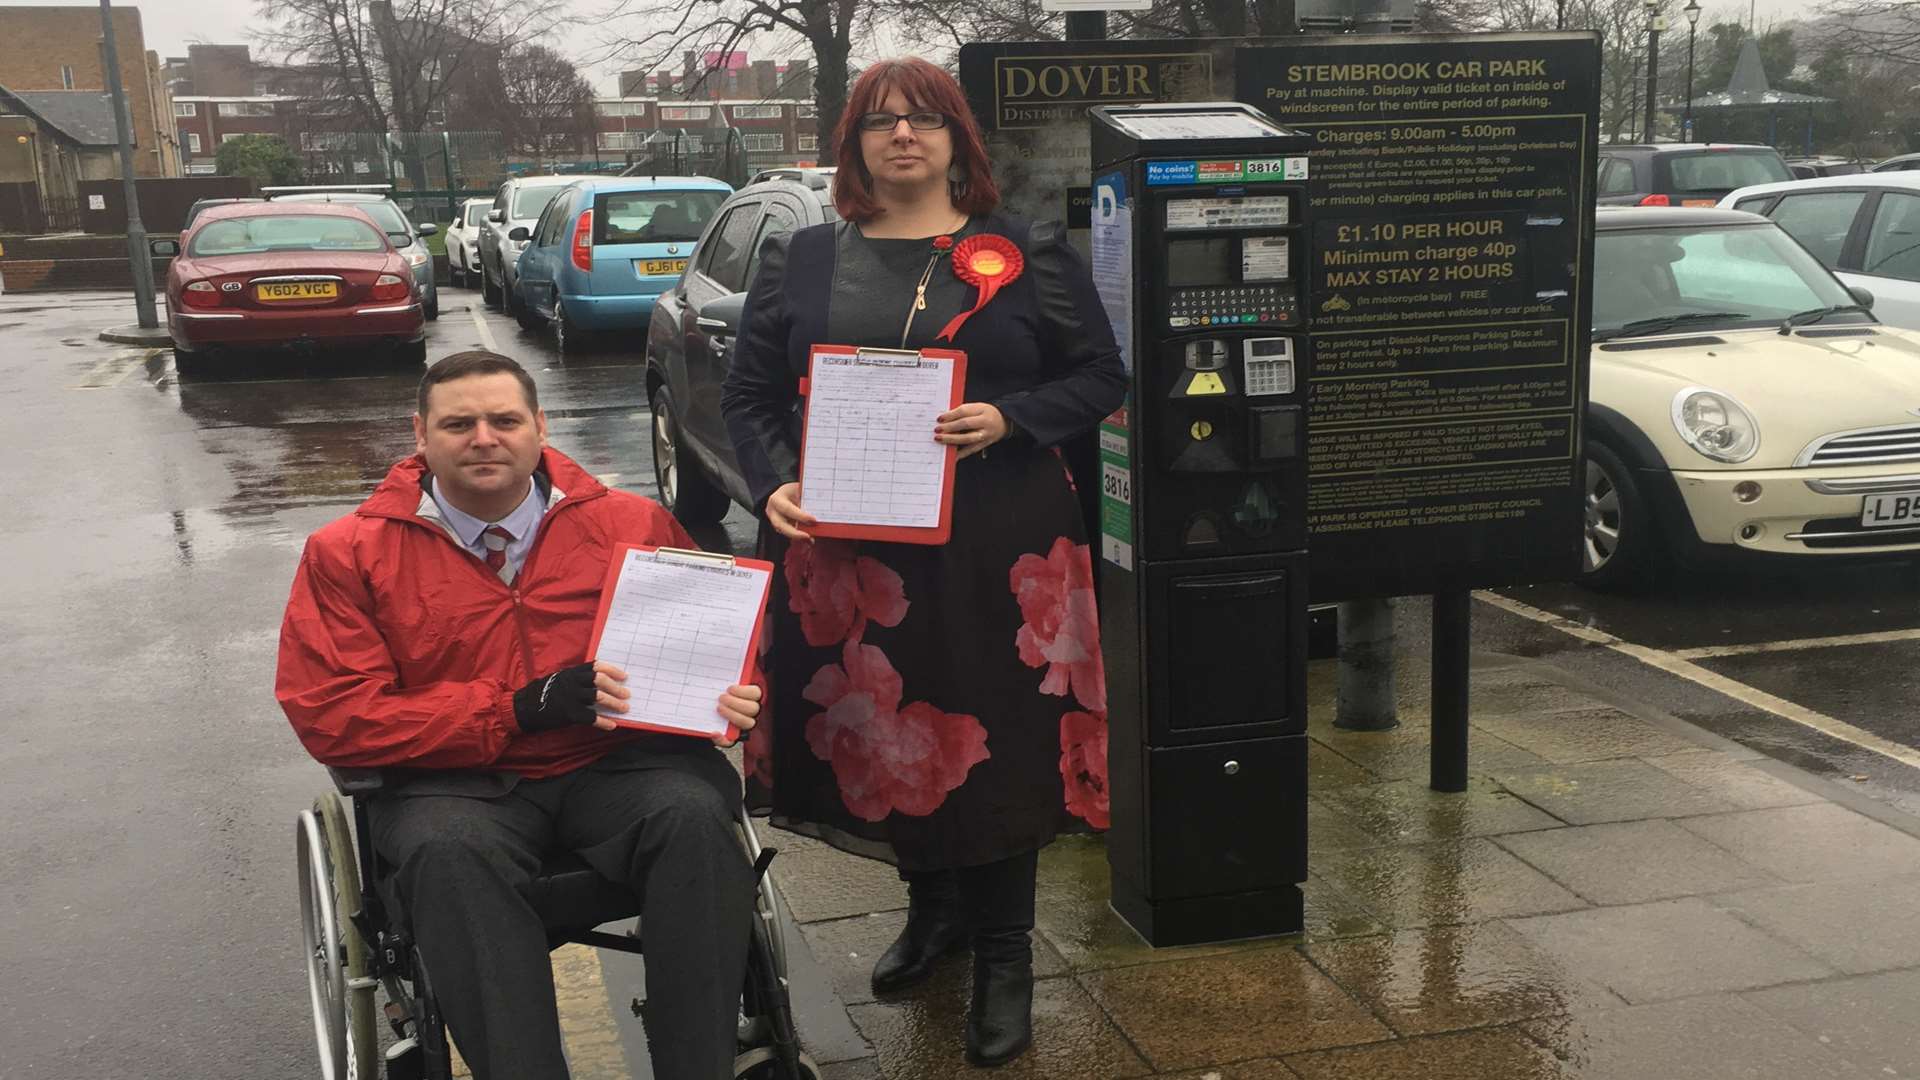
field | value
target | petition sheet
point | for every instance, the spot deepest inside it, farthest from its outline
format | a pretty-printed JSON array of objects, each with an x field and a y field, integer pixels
[
  {"x": 680, "y": 626},
  {"x": 869, "y": 456}
]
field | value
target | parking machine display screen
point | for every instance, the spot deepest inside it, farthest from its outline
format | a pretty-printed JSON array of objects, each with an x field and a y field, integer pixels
[{"x": 1202, "y": 262}]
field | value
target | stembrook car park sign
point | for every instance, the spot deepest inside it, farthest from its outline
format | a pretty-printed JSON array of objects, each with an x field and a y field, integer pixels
[{"x": 1452, "y": 226}]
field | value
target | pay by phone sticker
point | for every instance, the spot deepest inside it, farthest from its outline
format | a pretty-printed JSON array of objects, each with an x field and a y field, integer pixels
[
  {"x": 1249, "y": 212},
  {"x": 1265, "y": 258}
]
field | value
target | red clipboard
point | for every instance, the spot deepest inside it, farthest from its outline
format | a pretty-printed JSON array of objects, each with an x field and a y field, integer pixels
[
  {"x": 899, "y": 534},
  {"x": 710, "y": 560}
]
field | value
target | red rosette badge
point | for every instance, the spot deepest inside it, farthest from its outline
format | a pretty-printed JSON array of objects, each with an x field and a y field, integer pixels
[{"x": 986, "y": 262}]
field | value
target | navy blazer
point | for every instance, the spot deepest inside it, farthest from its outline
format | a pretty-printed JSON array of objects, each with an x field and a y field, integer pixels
[{"x": 1042, "y": 351}]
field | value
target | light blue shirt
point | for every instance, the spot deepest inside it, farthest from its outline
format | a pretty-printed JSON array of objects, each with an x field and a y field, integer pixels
[{"x": 523, "y": 522}]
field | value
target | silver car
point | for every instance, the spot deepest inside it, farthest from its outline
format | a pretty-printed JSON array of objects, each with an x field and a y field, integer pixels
[
  {"x": 517, "y": 204},
  {"x": 407, "y": 239}
]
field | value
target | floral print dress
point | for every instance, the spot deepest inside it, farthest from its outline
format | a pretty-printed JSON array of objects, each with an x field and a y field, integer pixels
[{"x": 934, "y": 706}]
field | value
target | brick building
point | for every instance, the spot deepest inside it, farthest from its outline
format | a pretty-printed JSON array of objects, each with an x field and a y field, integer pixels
[
  {"x": 57, "y": 50},
  {"x": 203, "y": 123},
  {"x": 771, "y": 132}
]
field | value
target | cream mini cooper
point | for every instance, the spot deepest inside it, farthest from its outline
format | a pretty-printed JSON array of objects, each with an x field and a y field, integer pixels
[{"x": 1742, "y": 400}]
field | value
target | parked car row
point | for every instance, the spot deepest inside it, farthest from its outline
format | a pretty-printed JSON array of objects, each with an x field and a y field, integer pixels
[{"x": 584, "y": 255}]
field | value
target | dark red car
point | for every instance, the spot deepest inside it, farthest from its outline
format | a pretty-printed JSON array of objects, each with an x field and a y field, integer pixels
[{"x": 268, "y": 275}]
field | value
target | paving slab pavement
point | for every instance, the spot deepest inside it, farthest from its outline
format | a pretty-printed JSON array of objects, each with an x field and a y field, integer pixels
[{"x": 1618, "y": 894}]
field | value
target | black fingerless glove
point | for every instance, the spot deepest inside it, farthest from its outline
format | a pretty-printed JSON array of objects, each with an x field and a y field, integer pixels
[{"x": 556, "y": 700}]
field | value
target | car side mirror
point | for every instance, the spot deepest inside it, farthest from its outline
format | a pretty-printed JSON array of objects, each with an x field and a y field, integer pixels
[
  {"x": 727, "y": 309},
  {"x": 165, "y": 249},
  {"x": 496, "y": 216},
  {"x": 1861, "y": 296},
  {"x": 519, "y": 235},
  {"x": 428, "y": 229}
]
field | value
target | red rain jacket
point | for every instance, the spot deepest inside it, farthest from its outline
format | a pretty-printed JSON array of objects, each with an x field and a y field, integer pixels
[{"x": 400, "y": 648}]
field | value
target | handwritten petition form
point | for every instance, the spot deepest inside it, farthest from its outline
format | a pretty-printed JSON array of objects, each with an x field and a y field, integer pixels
[
  {"x": 680, "y": 626},
  {"x": 869, "y": 457}
]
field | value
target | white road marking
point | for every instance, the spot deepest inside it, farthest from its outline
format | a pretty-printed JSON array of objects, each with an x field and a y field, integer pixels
[
  {"x": 486, "y": 332},
  {"x": 1674, "y": 664},
  {"x": 608, "y": 478},
  {"x": 1879, "y": 637}
]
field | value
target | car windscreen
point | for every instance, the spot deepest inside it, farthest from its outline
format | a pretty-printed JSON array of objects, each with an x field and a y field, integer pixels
[
  {"x": 388, "y": 217},
  {"x": 1745, "y": 273},
  {"x": 283, "y": 232},
  {"x": 477, "y": 213},
  {"x": 646, "y": 217},
  {"x": 529, "y": 201},
  {"x": 1724, "y": 170}
]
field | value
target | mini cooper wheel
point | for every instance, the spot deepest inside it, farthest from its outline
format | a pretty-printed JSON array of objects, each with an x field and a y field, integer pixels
[{"x": 1620, "y": 545}]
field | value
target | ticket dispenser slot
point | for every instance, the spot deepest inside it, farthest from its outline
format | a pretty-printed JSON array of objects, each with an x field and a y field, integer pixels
[{"x": 1202, "y": 583}]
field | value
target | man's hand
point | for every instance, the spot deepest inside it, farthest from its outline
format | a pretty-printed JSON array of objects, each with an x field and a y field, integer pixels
[
  {"x": 785, "y": 515},
  {"x": 570, "y": 696},
  {"x": 739, "y": 706}
]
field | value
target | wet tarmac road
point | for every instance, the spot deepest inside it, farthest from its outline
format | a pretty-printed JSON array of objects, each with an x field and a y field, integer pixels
[{"x": 149, "y": 781}]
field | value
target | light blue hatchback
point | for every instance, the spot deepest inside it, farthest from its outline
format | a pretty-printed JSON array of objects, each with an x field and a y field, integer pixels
[{"x": 606, "y": 248}]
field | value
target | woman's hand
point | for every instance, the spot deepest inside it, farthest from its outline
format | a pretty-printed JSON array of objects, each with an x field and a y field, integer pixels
[
  {"x": 739, "y": 706},
  {"x": 785, "y": 515},
  {"x": 972, "y": 427}
]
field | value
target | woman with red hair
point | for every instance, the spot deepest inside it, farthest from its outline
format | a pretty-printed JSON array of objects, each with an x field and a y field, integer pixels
[{"x": 939, "y": 707}]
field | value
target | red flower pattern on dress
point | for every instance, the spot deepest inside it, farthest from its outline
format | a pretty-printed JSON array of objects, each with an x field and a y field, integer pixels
[
  {"x": 1083, "y": 767},
  {"x": 835, "y": 593},
  {"x": 887, "y": 759},
  {"x": 1062, "y": 628}
]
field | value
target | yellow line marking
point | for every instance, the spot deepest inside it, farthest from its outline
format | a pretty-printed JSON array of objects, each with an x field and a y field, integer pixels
[
  {"x": 1879, "y": 637},
  {"x": 486, "y": 332},
  {"x": 112, "y": 371},
  {"x": 594, "y": 1048},
  {"x": 1674, "y": 664}
]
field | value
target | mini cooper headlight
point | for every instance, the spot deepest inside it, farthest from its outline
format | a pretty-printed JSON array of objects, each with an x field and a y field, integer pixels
[{"x": 1716, "y": 425}]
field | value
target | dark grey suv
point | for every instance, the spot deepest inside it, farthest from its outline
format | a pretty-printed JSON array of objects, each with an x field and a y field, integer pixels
[
  {"x": 690, "y": 340},
  {"x": 1683, "y": 174}
]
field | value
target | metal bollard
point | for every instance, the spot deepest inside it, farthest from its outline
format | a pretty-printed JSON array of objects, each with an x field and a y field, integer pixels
[{"x": 1367, "y": 701}]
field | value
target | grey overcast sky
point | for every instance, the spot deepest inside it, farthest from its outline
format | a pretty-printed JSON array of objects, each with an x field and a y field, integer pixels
[{"x": 171, "y": 25}]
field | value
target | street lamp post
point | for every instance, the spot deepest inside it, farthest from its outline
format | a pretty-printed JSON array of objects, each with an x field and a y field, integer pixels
[
  {"x": 1692, "y": 12},
  {"x": 1655, "y": 23},
  {"x": 138, "y": 256}
]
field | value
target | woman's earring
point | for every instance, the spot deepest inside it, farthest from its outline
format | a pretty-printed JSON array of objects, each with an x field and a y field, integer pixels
[{"x": 956, "y": 180}]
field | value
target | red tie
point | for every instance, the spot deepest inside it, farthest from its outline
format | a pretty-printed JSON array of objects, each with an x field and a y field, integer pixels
[{"x": 496, "y": 539}]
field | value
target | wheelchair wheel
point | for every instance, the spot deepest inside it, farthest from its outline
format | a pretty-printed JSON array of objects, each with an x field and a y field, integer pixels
[
  {"x": 761, "y": 1063},
  {"x": 339, "y": 980}
]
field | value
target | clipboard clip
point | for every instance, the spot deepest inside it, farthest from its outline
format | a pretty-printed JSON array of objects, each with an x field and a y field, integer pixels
[
  {"x": 888, "y": 357},
  {"x": 690, "y": 555}
]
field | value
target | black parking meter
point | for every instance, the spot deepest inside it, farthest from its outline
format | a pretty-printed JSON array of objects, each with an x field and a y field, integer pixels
[{"x": 1200, "y": 252}]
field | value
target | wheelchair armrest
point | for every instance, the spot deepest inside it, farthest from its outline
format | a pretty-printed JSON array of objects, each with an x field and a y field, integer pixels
[{"x": 352, "y": 782}]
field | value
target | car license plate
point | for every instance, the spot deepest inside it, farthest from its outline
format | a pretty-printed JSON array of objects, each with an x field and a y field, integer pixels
[
  {"x": 297, "y": 290},
  {"x": 1900, "y": 508},
  {"x": 658, "y": 267}
]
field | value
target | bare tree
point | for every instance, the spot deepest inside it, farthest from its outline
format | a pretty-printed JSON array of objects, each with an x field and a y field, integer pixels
[
  {"x": 394, "y": 61},
  {"x": 1887, "y": 30},
  {"x": 950, "y": 23},
  {"x": 533, "y": 96},
  {"x": 653, "y": 33},
  {"x": 1623, "y": 40}
]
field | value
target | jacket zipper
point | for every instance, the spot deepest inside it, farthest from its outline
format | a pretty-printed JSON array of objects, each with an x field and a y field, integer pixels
[{"x": 513, "y": 591}]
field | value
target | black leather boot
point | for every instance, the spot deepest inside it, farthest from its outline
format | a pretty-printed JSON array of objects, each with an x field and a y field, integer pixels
[
  {"x": 934, "y": 930},
  {"x": 999, "y": 901}
]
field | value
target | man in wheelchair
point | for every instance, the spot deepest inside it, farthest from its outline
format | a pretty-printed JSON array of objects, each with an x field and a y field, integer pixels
[{"x": 439, "y": 633}]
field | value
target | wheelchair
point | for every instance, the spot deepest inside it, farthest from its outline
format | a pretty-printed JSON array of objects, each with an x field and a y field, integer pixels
[{"x": 355, "y": 950}]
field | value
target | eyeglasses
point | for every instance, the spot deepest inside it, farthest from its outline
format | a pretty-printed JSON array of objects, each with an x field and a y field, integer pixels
[{"x": 925, "y": 120}]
